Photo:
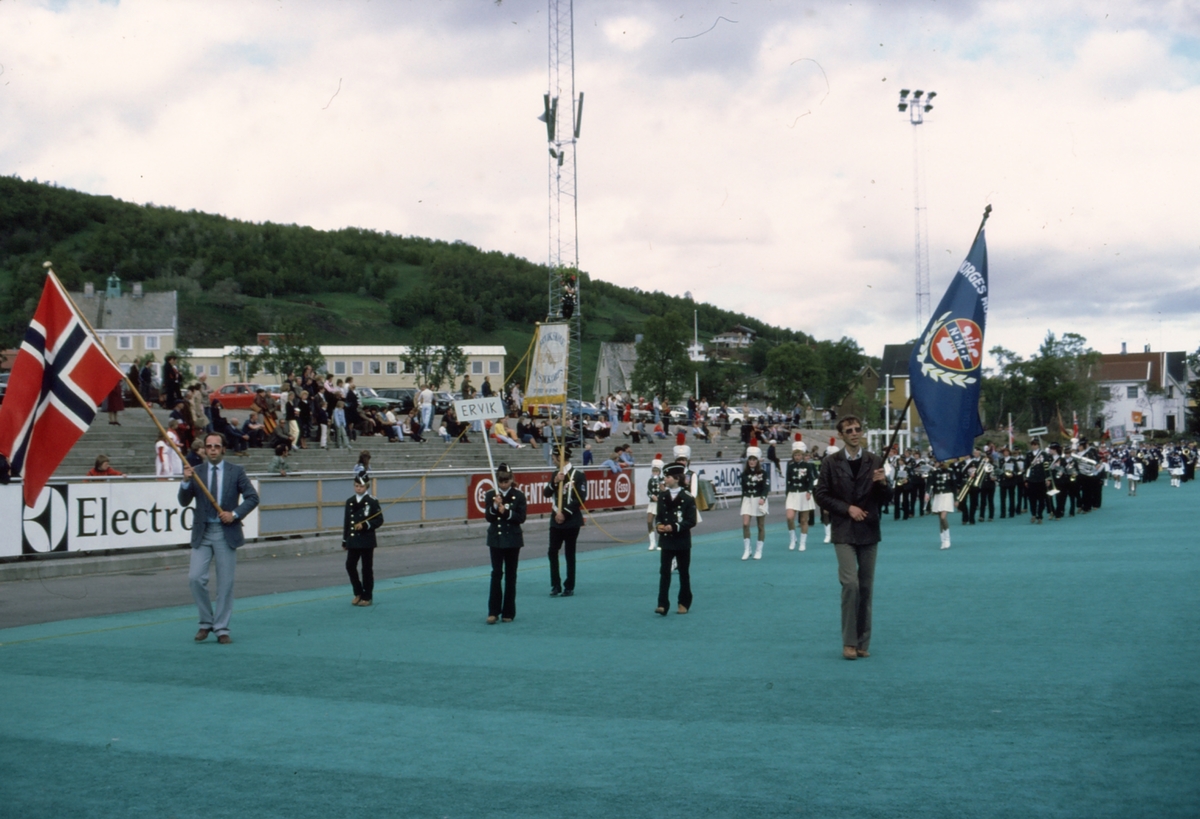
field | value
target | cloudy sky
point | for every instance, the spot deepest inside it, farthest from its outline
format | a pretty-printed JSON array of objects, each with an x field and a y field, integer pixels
[{"x": 750, "y": 152}]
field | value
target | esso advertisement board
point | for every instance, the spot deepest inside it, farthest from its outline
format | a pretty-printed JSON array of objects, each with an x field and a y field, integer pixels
[
  {"x": 605, "y": 490},
  {"x": 85, "y": 517}
]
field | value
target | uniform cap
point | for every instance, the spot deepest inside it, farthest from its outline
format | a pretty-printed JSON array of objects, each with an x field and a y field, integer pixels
[
  {"x": 676, "y": 471},
  {"x": 683, "y": 451},
  {"x": 657, "y": 463},
  {"x": 753, "y": 452},
  {"x": 799, "y": 446},
  {"x": 362, "y": 480}
]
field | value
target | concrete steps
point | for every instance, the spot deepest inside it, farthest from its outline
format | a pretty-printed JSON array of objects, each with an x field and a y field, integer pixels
[{"x": 130, "y": 447}]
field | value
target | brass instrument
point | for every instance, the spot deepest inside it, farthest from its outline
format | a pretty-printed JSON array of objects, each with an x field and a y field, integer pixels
[{"x": 974, "y": 482}]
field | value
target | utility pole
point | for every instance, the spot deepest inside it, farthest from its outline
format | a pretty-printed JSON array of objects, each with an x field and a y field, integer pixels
[
  {"x": 919, "y": 104},
  {"x": 562, "y": 114}
]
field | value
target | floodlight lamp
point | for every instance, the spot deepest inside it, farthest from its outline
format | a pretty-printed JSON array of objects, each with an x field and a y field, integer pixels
[
  {"x": 917, "y": 94},
  {"x": 931, "y": 95},
  {"x": 903, "y": 107},
  {"x": 928, "y": 107},
  {"x": 903, "y": 93}
]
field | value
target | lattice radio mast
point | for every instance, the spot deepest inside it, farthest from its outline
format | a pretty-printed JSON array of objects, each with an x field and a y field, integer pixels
[
  {"x": 562, "y": 115},
  {"x": 916, "y": 108}
]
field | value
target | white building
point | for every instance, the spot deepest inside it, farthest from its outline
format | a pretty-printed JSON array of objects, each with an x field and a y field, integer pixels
[
  {"x": 1144, "y": 391},
  {"x": 369, "y": 366}
]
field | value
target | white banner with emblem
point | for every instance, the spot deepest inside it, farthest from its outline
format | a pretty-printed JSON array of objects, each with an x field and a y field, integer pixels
[
  {"x": 85, "y": 517},
  {"x": 548, "y": 370}
]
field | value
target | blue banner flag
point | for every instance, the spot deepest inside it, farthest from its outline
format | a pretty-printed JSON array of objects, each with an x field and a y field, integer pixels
[{"x": 945, "y": 370}]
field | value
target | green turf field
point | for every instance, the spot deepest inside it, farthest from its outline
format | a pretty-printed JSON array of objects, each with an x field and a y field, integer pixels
[{"x": 1026, "y": 672}]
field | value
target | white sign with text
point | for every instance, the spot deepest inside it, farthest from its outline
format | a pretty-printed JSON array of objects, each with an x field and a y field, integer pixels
[{"x": 480, "y": 409}]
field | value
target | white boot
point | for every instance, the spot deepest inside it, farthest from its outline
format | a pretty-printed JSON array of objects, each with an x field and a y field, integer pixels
[
  {"x": 758, "y": 551},
  {"x": 828, "y": 532},
  {"x": 791, "y": 539},
  {"x": 653, "y": 541},
  {"x": 746, "y": 553},
  {"x": 803, "y": 540},
  {"x": 946, "y": 539}
]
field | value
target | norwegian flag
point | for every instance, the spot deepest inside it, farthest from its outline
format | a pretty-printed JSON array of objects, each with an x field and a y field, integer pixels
[{"x": 60, "y": 376}]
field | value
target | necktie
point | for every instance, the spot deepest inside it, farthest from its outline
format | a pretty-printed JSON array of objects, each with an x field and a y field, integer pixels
[{"x": 212, "y": 484}]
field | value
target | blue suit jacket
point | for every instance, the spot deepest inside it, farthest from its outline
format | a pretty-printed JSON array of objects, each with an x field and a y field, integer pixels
[{"x": 235, "y": 483}]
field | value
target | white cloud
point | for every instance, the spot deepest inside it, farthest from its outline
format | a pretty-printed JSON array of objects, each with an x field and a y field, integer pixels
[{"x": 760, "y": 163}]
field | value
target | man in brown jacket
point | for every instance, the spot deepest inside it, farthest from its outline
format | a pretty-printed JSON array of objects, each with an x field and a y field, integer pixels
[{"x": 852, "y": 486}]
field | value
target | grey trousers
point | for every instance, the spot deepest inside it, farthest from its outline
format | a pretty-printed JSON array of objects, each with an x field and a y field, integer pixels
[
  {"x": 213, "y": 546},
  {"x": 856, "y": 571}
]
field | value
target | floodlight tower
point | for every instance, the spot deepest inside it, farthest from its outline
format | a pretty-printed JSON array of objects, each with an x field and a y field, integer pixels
[
  {"x": 562, "y": 115},
  {"x": 916, "y": 107}
]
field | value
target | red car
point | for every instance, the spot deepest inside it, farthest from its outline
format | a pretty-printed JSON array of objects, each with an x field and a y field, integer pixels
[{"x": 238, "y": 396}]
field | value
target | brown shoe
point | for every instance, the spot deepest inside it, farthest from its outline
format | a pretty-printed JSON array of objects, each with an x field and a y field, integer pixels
[
  {"x": 506, "y": 620},
  {"x": 491, "y": 621},
  {"x": 224, "y": 639},
  {"x": 354, "y": 602},
  {"x": 661, "y": 610},
  {"x": 202, "y": 634},
  {"x": 850, "y": 652},
  {"x": 363, "y": 603},
  {"x": 682, "y": 609},
  {"x": 862, "y": 652}
]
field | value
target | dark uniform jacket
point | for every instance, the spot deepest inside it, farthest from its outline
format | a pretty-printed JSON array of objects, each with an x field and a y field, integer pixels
[
  {"x": 1036, "y": 471},
  {"x": 838, "y": 488},
  {"x": 572, "y": 500},
  {"x": 357, "y": 510},
  {"x": 655, "y": 487},
  {"x": 679, "y": 512},
  {"x": 504, "y": 531},
  {"x": 754, "y": 484},
  {"x": 801, "y": 476},
  {"x": 941, "y": 480}
]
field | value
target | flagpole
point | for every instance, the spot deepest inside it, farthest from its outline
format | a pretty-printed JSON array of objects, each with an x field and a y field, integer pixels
[
  {"x": 896, "y": 431},
  {"x": 986, "y": 213},
  {"x": 136, "y": 394}
]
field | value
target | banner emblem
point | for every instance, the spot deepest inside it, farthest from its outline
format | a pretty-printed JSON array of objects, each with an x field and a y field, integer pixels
[{"x": 951, "y": 349}]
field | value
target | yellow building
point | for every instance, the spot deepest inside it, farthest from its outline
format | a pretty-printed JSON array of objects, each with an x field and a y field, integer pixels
[{"x": 132, "y": 324}]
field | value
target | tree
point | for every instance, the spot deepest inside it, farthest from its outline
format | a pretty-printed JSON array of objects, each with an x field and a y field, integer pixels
[
  {"x": 792, "y": 369},
  {"x": 249, "y": 360},
  {"x": 662, "y": 366},
  {"x": 1194, "y": 393},
  {"x": 842, "y": 361},
  {"x": 290, "y": 350},
  {"x": 723, "y": 381},
  {"x": 436, "y": 356}
]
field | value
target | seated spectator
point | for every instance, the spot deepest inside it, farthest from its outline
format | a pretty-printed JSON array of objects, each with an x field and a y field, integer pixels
[
  {"x": 103, "y": 468},
  {"x": 659, "y": 432},
  {"x": 587, "y": 455},
  {"x": 443, "y": 433},
  {"x": 614, "y": 463},
  {"x": 602, "y": 429},
  {"x": 626, "y": 457},
  {"x": 254, "y": 431},
  {"x": 279, "y": 464},
  {"x": 235, "y": 441},
  {"x": 502, "y": 435},
  {"x": 414, "y": 427},
  {"x": 395, "y": 430},
  {"x": 183, "y": 415}
]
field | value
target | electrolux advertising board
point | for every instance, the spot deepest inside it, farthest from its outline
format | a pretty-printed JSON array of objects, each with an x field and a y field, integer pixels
[{"x": 82, "y": 517}]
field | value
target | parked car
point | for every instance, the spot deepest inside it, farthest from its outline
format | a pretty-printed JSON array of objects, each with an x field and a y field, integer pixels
[
  {"x": 734, "y": 413},
  {"x": 442, "y": 401},
  {"x": 584, "y": 408},
  {"x": 394, "y": 398},
  {"x": 240, "y": 396}
]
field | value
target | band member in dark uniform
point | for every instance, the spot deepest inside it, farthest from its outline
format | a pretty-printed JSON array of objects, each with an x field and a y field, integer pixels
[
  {"x": 567, "y": 491},
  {"x": 674, "y": 521},
  {"x": 363, "y": 517},
  {"x": 987, "y": 488},
  {"x": 505, "y": 512},
  {"x": 755, "y": 488},
  {"x": 1010, "y": 477},
  {"x": 1035, "y": 481}
]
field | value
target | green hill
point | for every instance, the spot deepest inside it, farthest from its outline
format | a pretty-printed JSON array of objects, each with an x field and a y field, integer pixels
[{"x": 348, "y": 286}]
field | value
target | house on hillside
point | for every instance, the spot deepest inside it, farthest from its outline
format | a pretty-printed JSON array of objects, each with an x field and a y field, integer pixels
[
  {"x": 614, "y": 370},
  {"x": 1143, "y": 391},
  {"x": 129, "y": 325},
  {"x": 736, "y": 338}
]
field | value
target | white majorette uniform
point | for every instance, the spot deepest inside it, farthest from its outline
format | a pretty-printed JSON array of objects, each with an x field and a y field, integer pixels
[
  {"x": 755, "y": 487},
  {"x": 801, "y": 478},
  {"x": 691, "y": 481}
]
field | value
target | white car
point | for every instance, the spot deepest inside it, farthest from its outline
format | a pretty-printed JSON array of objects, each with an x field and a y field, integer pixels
[{"x": 734, "y": 413}]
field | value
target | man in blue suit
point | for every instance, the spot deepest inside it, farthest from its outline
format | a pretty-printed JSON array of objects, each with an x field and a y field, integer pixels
[{"x": 216, "y": 533}]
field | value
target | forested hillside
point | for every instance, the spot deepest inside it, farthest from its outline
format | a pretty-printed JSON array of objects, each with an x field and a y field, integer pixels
[{"x": 348, "y": 286}]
